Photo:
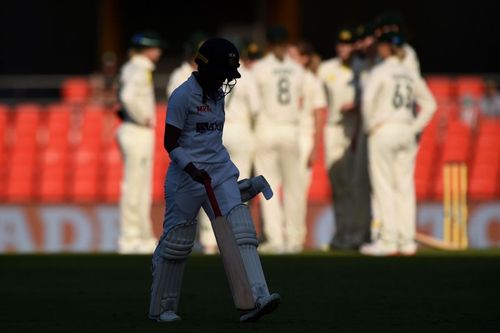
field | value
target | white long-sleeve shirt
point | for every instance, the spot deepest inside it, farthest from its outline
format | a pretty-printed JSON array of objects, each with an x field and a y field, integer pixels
[
  {"x": 314, "y": 98},
  {"x": 281, "y": 86},
  {"x": 338, "y": 79},
  {"x": 178, "y": 76},
  {"x": 411, "y": 60},
  {"x": 243, "y": 102},
  {"x": 390, "y": 94},
  {"x": 137, "y": 90}
]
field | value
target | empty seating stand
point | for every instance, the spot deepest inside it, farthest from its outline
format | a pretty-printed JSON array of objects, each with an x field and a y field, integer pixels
[
  {"x": 485, "y": 168},
  {"x": 86, "y": 173},
  {"x": 53, "y": 163},
  {"x": 22, "y": 155}
]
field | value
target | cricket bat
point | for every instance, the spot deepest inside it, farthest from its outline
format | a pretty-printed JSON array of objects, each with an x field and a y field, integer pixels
[{"x": 231, "y": 257}]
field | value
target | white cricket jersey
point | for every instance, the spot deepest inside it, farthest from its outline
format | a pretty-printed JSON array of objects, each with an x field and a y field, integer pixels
[
  {"x": 314, "y": 98},
  {"x": 243, "y": 102},
  {"x": 340, "y": 86},
  {"x": 201, "y": 123},
  {"x": 137, "y": 90},
  {"x": 390, "y": 94},
  {"x": 178, "y": 76},
  {"x": 411, "y": 60},
  {"x": 281, "y": 86}
]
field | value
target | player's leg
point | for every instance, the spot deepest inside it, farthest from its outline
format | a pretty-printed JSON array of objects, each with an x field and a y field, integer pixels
[
  {"x": 266, "y": 163},
  {"x": 130, "y": 198},
  {"x": 240, "y": 143},
  {"x": 306, "y": 142},
  {"x": 340, "y": 172},
  {"x": 293, "y": 190},
  {"x": 148, "y": 239},
  {"x": 238, "y": 216},
  {"x": 406, "y": 201},
  {"x": 206, "y": 234},
  {"x": 382, "y": 146},
  {"x": 176, "y": 242},
  {"x": 360, "y": 230}
]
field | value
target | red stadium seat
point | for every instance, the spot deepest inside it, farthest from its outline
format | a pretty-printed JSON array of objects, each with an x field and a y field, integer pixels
[
  {"x": 84, "y": 179},
  {"x": 22, "y": 155},
  {"x": 53, "y": 165},
  {"x": 75, "y": 90},
  {"x": 3, "y": 138},
  {"x": 92, "y": 126},
  {"x": 425, "y": 163},
  {"x": 53, "y": 172},
  {"x": 442, "y": 87},
  {"x": 112, "y": 167},
  {"x": 457, "y": 145},
  {"x": 485, "y": 169},
  {"x": 20, "y": 180},
  {"x": 483, "y": 184},
  {"x": 456, "y": 148},
  {"x": 470, "y": 86}
]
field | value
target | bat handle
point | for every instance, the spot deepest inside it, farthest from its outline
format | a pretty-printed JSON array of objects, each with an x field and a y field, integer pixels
[{"x": 212, "y": 198}]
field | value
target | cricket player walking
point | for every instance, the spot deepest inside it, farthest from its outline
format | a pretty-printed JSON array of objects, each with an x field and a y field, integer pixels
[
  {"x": 136, "y": 139},
  {"x": 281, "y": 85},
  {"x": 193, "y": 139},
  {"x": 387, "y": 106}
]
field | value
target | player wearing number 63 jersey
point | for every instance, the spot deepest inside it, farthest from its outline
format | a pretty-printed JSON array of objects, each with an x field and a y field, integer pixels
[
  {"x": 387, "y": 106},
  {"x": 280, "y": 82}
]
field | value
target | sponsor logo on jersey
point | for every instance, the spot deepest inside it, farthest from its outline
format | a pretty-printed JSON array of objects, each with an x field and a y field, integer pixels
[
  {"x": 205, "y": 127},
  {"x": 204, "y": 108}
]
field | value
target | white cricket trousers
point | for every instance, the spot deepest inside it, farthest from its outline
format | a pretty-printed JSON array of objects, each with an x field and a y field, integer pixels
[
  {"x": 277, "y": 159},
  {"x": 306, "y": 144},
  {"x": 240, "y": 142},
  {"x": 136, "y": 145},
  {"x": 392, "y": 150}
]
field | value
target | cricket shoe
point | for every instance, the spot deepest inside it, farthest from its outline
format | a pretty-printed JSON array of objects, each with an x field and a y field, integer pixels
[
  {"x": 408, "y": 250},
  {"x": 166, "y": 317},
  {"x": 379, "y": 249},
  {"x": 263, "y": 306}
]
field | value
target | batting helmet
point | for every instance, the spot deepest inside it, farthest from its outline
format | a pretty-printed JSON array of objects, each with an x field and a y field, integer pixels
[{"x": 217, "y": 57}]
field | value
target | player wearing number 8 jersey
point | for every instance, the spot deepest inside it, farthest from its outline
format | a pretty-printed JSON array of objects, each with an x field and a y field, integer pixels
[
  {"x": 280, "y": 82},
  {"x": 387, "y": 107}
]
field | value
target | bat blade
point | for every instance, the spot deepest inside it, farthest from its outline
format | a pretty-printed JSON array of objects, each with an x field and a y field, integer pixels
[{"x": 233, "y": 264}]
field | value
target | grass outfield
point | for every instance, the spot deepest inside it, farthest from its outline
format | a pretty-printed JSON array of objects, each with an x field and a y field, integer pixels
[{"x": 433, "y": 292}]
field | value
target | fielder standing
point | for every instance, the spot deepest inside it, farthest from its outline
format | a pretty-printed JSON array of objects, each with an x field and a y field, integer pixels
[
  {"x": 242, "y": 106},
  {"x": 281, "y": 85},
  {"x": 314, "y": 103},
  {"x": 193, "y": 139},
  {"x": 136, "y": 139},
  {"x": 346, "y": 159},
  {"x": 388, "y": 102},
  {"x": 182, "y": 73}
]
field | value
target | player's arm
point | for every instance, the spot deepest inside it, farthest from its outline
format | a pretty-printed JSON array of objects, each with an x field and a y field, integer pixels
[
  {"x": 254, "y": 101},
  {"x": 320, "y": 105},
  {"x": 131, "y": 97},
  {"x": 176, "y": 117},
  {"x": 427, "y": 104}
]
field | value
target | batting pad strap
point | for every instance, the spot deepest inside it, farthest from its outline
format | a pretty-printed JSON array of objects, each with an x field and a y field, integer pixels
[
  {"x": 180, "y": 157},
  {"x": 244, "y": 232},
  {"x": 179, "y": 241}
]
